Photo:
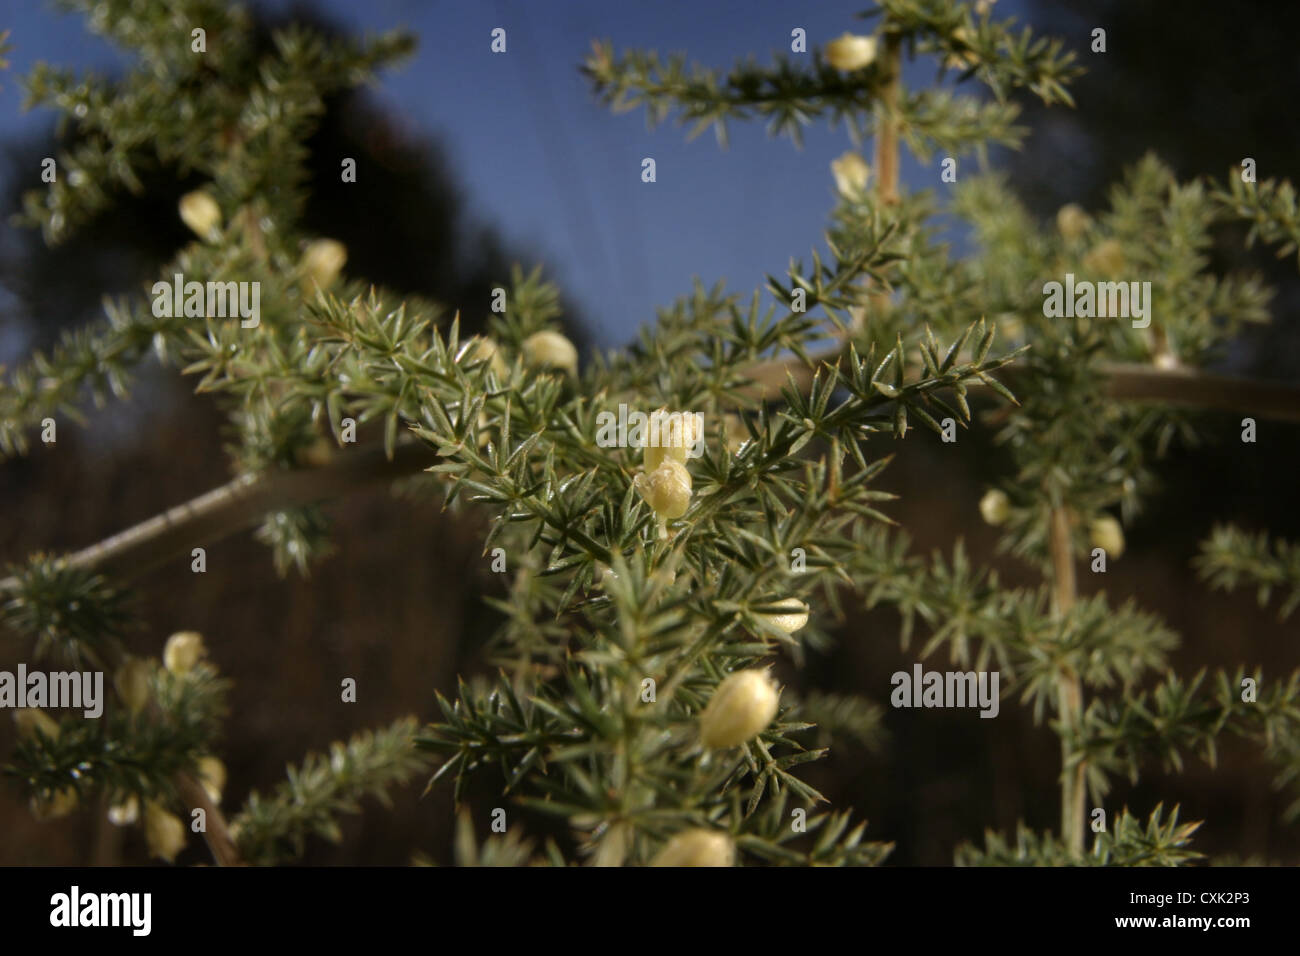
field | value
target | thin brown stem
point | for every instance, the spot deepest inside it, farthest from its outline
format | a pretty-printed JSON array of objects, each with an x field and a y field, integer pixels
[
  {"x": 241, "y": 503},
  {"x": 887, "y": 122},
  {"x": 216, "y": 832},
  {"x": 1069, "y": 686},
  {"x": 1192, "y": 388}
]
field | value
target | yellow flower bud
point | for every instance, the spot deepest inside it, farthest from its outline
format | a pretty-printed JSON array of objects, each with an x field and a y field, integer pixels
[
  {"x": 321, "y": 263},
  {"x": 792, "y": 617},
  {"x": 669, "y": 436},
  {"x": 739, "y": 710},
  {"x": 212, "y": 775},
  {"x": 548, "y": 349},
  {"x": 30, "y": 720},
  {"x": 124, "y": 814},
  {"x": 1107, "y": 534},
  {"x": 851, "y": 173},
  {"x": 995, "y": 506},
  {"x": 59, "y": 804},
  {"x": 851, "y": 52},
  {"x": 184, "y": 649},
  {"x": 485, "y": 349},
  {"x": 667, "y": 489},
  {"x": 1072, "y": 221},
  {"x": 697, "y": 847},
  {"x": 965, "y": 59},
  {"x": 734, "y": 433},
  {"x": 1106, "y": 258},
  {"x": 163, "y": 832},
  {"x": 201, "y": 213},
  {"x": 132, "y": 680}
]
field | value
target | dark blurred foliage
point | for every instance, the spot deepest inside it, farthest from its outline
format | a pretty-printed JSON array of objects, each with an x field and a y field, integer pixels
[{"x": 399, "y": 606}]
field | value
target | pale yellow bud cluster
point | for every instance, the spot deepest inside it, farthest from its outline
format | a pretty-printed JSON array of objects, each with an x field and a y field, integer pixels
[
  {"x": 31, "y": 720},
  {"x": 851, "y": 173},
  {"x": 995, "y": 506},
  {"x": 183, "y": 651},
  {"x": 59, "y": 804},
  {"x": 1106, "y": 258},
  {"x": 851, "y": 52},
  {"x": 126, "y": 813},
  {"x": 791, "y": 617},
  {"x": 676, "y": 433},
  {"x": 547, "y": 349},
  {"x": 164, "y": 833},
  {"x": 667, "y": 489},
  {"x": 212, "y": 777},
  {"x": 697, "y": 847},
  {"x": 483, "y": 348},
  {"x": 1107, "y": 534},
  {"x": 740, "y": 709},
  {"x": 734, "y": 433},
  {"x": 322, "y": 261},
  {"x": 965, "y": 59},
  {"x": 1072, "y": 221},
  {"x": 132, "y": 680},
  {"x": 201, "y": 213}
]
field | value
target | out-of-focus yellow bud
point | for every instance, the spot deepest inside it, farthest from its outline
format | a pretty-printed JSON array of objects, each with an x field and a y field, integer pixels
[
  {"x": 697, "y": 847},
  {"x": 995, "y": 506},
  {"x": 124, "y": 814},
  {"x": 163, "y": 832},
  {"x": 547, "y": 349},
  {"x": 966, "y": 58},
  {"x": 792, "y": 616},
  {"x": 184, "y": 649},
  {"x": 322, "y": 261},
  {"x": 483, "y": 348},
  {"x": 667, "y": 489},
  {"x": 29, "y": 720},
  {"x": 734, "y": 433},
  {"x": 851, "y": 173},
  {"x": 212, "y": 775},
  {"x": 1106, "y": 258},
  {"x": 739, "y": 710},
  {"x": 132, "y": 680},
  {"x": 851, "y": 52},
  {"x": 1107, "y": 534},
  {"x": 1072, "y": 221},
  {"x": 201, "y": 213},
  {"x": 59, "y": 804},
  {"x": 669, "y": 435}
]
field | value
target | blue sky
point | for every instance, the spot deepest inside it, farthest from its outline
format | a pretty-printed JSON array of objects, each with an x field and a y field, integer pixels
[{"x": 554, "y": 172}]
